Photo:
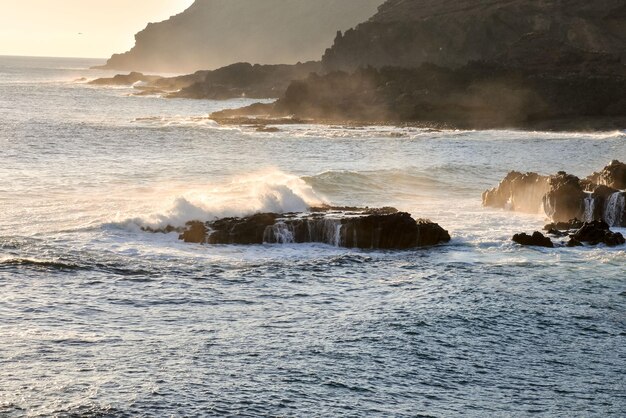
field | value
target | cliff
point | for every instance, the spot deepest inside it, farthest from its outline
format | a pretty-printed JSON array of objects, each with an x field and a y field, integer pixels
[
  {"x": 214, "y": 33},
  {"x": 547, "y": 35}
]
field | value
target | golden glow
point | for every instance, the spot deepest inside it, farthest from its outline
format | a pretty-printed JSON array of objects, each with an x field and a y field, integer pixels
[{"x": 78, "y": 28}]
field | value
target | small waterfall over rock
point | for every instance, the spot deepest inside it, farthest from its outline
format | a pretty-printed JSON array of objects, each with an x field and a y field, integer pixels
[
  {"x": 383, "y": 228},
  {"x": 289, "y": 231},
  {"x": 590, "y": 208},
  {"x": 614, "y": 209}
]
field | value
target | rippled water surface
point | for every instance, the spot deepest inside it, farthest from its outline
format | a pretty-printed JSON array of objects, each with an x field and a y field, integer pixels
[{"x": 100, "y": 319}]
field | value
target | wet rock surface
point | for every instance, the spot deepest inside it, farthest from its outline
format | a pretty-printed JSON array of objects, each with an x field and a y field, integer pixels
[
  {"x": 383, "y": 228},
  {"x": 563, "y": 196},
  {"x": 537, "y": 239},
  {"x": 579, "y": 234}
]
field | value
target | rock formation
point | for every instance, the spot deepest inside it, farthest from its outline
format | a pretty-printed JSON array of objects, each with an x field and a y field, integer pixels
[
  {"x": 574, "y": 36},
  {"x": 475, "y": 96},
  {"x": 384, "y": 228},
  {"x": 537, "y": 239},
  {"x": 589, "y": 233},
  {"x": 125, "y": 79},
  {"x": 246, "y": 80},
  {"x": 564, "y": 197},
  {"x": 214, "y": 33}
]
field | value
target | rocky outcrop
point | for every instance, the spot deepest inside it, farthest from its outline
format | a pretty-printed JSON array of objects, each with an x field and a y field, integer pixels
[
  {"x": 342, "y": 227},
  {"x": 519, "y": 192},
  {"x": 233, "y": 81},
  {"x": 613, "y": 175},
  {"x": 476, "y": 96},
  {"x": 125, "y": 79},
  {"x": 246, "y": 80},
  {"x": 563, "y": 197},
  {"x": 598, "y": 232},
  {"x": 214, "y": 33},
  {"x": 587, "y": 233},
  {"x": 575, "y": 36},
  {"x": 537, "y": 239}
]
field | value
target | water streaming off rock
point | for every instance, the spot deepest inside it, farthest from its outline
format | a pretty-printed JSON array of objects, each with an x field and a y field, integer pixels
[{"x": 98, "y": 318}]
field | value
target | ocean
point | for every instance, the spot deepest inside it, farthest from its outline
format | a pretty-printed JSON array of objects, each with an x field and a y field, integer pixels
[{"x": 101, "y": 319}]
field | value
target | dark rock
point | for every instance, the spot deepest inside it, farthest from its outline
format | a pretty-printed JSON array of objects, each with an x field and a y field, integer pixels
[
  {"x": 564, "y": 226},
  {"x": 246, "y": 80},
  {"x": 359, "y": 228},
  {"x": 125, "y": 79},
  {"x": 574, "y": 36},
  {"x": 565, "y": 199},
  {"x": 557, "y": 233},
  {"x": 195, "y": 232},
  {"x": 574, "y": 243},
  {"x": 613, "y": 176},
  {"x": 598, "y": 232},
  {"x": 475, "y": 96},
  {"x": 247, "y": 231},
  {"x": 537, "y": 239}
]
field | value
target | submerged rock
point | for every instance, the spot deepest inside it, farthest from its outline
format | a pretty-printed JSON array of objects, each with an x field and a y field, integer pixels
[
  {"x": 343, "y": 227},
  {"x": 537, "y": 239}
]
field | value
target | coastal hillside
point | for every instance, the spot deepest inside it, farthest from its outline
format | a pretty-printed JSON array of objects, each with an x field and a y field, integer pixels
[
  {"x": 549, "y": 35},
  {"x": 214, "y": 33}
]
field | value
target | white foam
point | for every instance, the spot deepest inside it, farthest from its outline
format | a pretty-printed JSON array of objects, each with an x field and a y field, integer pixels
[{"x": 267, "y": 191}]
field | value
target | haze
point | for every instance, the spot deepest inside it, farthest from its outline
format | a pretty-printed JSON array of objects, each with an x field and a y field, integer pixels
[{"x": 78, "y": 28}]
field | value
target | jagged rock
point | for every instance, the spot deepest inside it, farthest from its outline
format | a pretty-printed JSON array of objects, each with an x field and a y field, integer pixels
[
  {"x": 537, "y": 239},
  {"x": 613, "y": 176},
  {"x": 214, "y": 33},
  {"x": 598, "y": 232},
  {"x": 125, "y": 79},
  {"x": 384, "y": 228},
  {"x": 565, "y": 198},
  {"x": 519, "y": 192}
]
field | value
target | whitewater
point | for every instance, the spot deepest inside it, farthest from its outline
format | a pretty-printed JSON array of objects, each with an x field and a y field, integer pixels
[{"x": 99, "y": 318}]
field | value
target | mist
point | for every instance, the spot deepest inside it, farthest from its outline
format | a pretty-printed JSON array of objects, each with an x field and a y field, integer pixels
[{"x": 214, "y": 33}]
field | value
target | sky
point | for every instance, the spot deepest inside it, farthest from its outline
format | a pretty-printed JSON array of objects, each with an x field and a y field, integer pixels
[{"x": 78, "y": 28}]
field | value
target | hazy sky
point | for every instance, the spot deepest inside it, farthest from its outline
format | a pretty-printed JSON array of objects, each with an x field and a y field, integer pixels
[{"x": 52, "y": 27}]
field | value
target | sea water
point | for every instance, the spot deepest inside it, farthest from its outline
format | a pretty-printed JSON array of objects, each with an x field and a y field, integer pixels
[{"x": 98, "y": 318}]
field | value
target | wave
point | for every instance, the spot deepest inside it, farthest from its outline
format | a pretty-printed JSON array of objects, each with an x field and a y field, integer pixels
[{"x": 265, "y": 191}]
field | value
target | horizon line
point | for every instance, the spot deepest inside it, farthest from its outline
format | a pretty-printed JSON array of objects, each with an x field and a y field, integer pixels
[{"x": 49, "y": 56}]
